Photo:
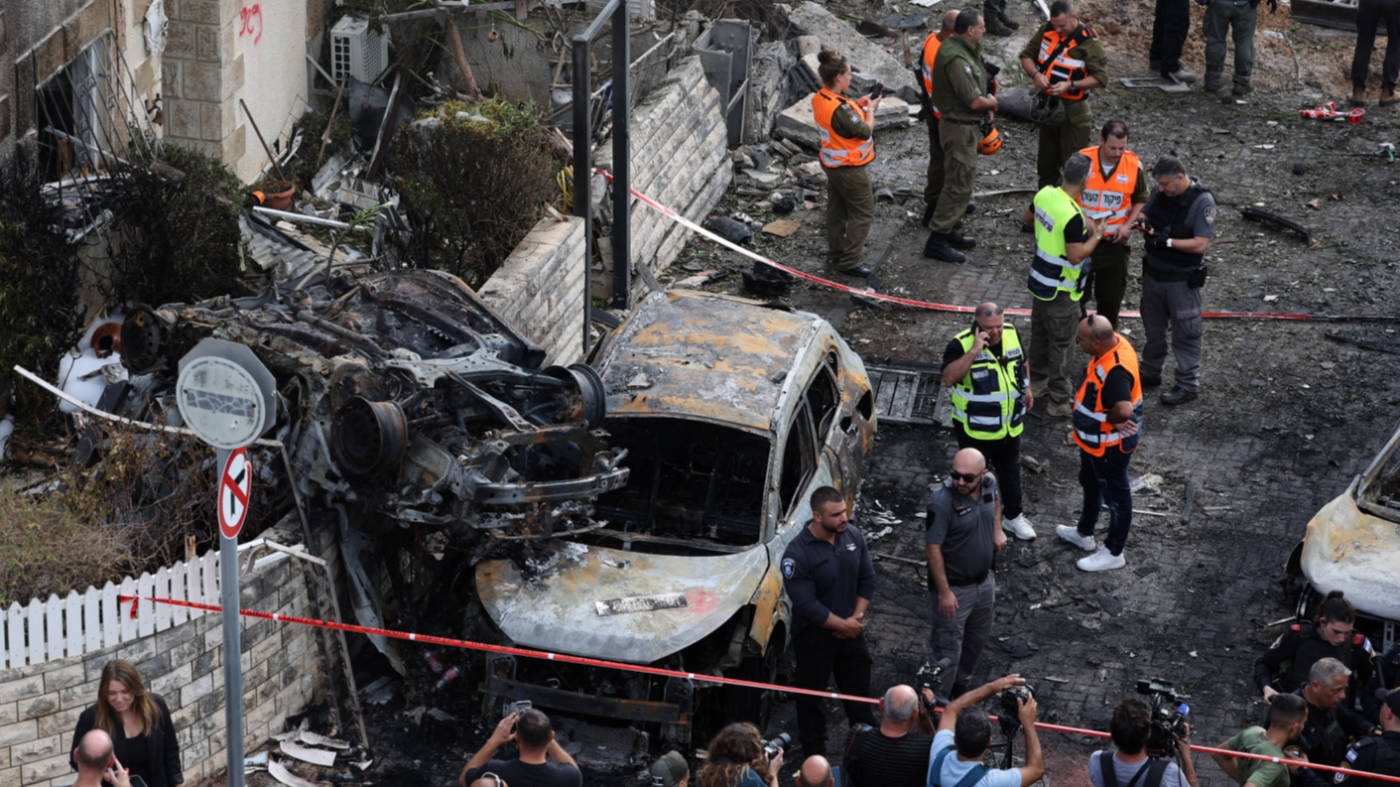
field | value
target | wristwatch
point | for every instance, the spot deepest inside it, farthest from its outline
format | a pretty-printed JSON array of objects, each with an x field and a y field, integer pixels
[{"x": 1169, "y": 243}]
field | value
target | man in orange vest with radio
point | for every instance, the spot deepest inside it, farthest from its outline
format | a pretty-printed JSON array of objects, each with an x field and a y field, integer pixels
[
  {"x": 1107, "y": 415},
  {"x": 1065, "y": 61},
  {"x": 1115, "y": 193}
]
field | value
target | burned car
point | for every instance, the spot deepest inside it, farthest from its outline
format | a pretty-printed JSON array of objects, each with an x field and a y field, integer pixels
[
  {"x": 405, "y": 404},
  {"x": 732, "y": 413},
  {"x": 1353, "y": 545}
]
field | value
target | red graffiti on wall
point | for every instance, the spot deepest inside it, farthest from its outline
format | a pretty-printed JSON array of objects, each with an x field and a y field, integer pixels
[{"x": 251, "y": 21}]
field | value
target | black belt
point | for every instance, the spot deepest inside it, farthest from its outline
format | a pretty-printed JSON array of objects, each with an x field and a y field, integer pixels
[{"x": 959, "y": 583}]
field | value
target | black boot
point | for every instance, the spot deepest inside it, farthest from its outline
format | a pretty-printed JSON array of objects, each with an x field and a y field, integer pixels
[
  {"x": 994, "y": 26},
  {"x": 1007, "y": 21},
  {"x": 960, "y": 241},
  {"x": 937, "y": 247}
]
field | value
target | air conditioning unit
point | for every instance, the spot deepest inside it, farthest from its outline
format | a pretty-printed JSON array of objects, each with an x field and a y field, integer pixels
[{"x": 357, "y": 51}]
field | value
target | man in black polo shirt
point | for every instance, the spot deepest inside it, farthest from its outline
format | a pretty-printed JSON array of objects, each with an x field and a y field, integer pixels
[
  {"x": 963, "y": 536},
  {"x": 1330, "y": 726},
  {"x": 830, "y": 580}
]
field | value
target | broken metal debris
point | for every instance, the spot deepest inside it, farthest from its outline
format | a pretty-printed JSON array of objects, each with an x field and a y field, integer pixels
[{"x": 1258, "y": 214}]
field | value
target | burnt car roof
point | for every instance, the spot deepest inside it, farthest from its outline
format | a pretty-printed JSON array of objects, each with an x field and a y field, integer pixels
[{"x": 704, "y": 356}]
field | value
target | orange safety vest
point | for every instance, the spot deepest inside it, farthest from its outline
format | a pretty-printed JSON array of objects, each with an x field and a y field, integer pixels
[
  {"x": 1110, "y": 197},
  {"x": 1092, "y": 431},
  {"x": 926, "y": 71},
  {"x": 836, "y": 150},
  {"x": 1063, "y": 68}
]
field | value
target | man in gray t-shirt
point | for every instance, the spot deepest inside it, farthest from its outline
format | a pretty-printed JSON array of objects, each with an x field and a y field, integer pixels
[
  {"x": 1129, "y": 729},
  {"x": 963, "y": 536},
  {"x": 1179, "y": 222}
]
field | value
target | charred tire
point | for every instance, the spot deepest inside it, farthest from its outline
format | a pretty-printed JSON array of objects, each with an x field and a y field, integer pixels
[
  {"x": 592, "y": 403},
  {"x": 142, "y": 340},
  {"x": 369, "y": 437}
]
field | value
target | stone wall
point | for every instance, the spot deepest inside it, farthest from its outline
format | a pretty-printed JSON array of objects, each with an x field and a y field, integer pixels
[
  {"x": 679, "y": 157},
  {"x": 282, "y": 674}
]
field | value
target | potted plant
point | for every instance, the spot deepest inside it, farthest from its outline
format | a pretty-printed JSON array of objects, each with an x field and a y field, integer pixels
[{"x": 275, "y": 193}]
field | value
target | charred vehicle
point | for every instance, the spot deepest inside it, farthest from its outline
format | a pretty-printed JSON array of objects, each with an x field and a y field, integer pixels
[
  {"x": 405, "y": 404},
  {"x": 1353, "y": 545},
  {"x": 732, "y": 414}
]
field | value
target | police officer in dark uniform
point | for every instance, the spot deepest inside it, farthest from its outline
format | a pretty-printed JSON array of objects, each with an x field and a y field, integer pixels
[
  {"x": 1378, "y": 754},
  {"x": 830, "y": 581},
  {"x": 1330, "y": 726},
  {"x": 1284, "y": 666}
]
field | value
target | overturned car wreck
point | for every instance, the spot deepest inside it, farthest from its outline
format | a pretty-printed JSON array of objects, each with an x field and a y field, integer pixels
[{"x": 403, "y": 400}]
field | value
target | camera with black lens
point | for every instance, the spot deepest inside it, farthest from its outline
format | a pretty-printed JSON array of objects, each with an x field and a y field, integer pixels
[
  {"x": 1011, "y": 699},
  {"x": 777, "y": 743},
  {"x": 930, "y": 676},
  {"x": 1167, "y": 712}
]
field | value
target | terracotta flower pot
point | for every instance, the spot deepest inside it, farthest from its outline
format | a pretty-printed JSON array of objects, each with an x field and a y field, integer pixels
[{"x": 275, "y": 194}]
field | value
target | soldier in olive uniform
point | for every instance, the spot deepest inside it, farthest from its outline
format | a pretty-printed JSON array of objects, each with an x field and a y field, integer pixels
[
  {"x": 961, "y": 95},
  {"x": 1065, "y": 61},
  {"x": 847, "y": 146}
]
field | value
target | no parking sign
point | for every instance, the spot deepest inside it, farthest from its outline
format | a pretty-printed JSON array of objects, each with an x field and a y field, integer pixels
[{"x": 235, "y": 484}]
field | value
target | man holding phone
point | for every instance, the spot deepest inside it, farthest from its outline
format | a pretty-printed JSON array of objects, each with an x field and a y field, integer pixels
[
  {"x": 984, "y": 369},
  {"x": 542, "y": 762}
]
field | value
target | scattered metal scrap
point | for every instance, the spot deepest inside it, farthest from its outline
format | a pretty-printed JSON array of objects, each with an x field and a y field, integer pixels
[{"x": 1259, "y": 214}]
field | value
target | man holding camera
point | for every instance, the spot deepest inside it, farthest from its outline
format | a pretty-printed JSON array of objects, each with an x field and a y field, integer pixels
[
  {"x": 1130, "y": 729},
  {"x": 1179, "y": 222},
  {"x": 542, "y": 762},
  {"x": 895, "y": 754},
  {"x": 965, "y": 732}
]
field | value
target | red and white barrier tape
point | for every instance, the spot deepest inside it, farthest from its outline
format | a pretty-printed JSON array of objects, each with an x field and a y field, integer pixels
[
  {"x": 648, "y": 670},
  {"x": 946, "y": 307}
]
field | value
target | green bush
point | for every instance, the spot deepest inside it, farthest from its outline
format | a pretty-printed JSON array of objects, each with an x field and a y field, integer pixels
[{"x": 474, "y": 179}]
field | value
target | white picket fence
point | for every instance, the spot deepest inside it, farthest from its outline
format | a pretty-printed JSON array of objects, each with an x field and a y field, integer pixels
[{"x": 56, "y": 628}]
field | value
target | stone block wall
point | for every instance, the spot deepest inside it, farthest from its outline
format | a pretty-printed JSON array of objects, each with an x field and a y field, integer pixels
[
  {"x": 679, "y": 158},
  {"x": 539, "y": 288},
  {"x": 282, "y": 675}
]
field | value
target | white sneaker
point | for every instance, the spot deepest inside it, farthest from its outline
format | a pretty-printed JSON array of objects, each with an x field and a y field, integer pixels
[
  {"x": 1070, "y": 533},
  {"x": 1019, "y": 527},
  {"x": 1102, "y": 560}
]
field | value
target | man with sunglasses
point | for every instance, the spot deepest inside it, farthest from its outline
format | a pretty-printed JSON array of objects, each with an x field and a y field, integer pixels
[
  {"x": 961, "y": 541},
  {"x": 542, "y": 762},
  {"x": 984, "y": 369}
]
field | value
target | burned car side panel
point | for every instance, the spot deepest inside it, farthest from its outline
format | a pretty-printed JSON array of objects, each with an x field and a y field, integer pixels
[
  {"x": 1353, "y": 543},
  {"x": 731, "y": 414}
]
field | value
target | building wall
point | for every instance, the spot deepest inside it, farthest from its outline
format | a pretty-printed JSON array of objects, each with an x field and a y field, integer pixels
[
  {"x": 282, "y": 674},
  {"x": 221, "y": 51}
]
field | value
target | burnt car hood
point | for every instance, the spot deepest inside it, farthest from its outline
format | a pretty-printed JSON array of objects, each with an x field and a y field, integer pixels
[
  {"x": 614, "y": 604},
  {"x": 1349, "y": 549}
]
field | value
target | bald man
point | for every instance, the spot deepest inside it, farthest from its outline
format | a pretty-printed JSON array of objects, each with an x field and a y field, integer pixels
[
  {"x": 1107, "y": 415},
  {"x": 816, "y": 772},
  {"x": 962, "y": 538},
  {"x": 988, "y": 382},
  {"x": 895, "y": 754},
  {"x": 97, "y": 763}
]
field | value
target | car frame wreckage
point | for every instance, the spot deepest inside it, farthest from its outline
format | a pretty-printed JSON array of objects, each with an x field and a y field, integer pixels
[
  {"x": 732, "y": 414},
  {"x": 410, "y": 412}
]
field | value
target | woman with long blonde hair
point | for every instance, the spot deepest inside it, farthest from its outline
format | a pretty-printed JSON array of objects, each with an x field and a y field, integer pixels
[{"x": 139, "y": 722}]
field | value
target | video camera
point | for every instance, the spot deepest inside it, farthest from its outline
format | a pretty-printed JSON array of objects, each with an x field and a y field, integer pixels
[{"x": 1167, "y": 712}]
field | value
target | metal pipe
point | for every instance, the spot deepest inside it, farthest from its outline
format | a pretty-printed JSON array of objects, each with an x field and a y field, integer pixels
[
  {"x": 305, "y": 219},
  {"x": 622, "y": 159},
  {"x": 582, "y": 133}
]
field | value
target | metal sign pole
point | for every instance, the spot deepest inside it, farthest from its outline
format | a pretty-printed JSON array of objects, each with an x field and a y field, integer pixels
[{"x": 233, "y": 643}]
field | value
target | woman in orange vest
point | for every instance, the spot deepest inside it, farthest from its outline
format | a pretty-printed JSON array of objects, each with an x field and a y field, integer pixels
[{"x": 847, "y": 145}]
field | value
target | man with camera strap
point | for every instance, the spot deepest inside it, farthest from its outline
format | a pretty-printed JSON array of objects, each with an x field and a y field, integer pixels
[{"x": 1129, "y": 764}]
